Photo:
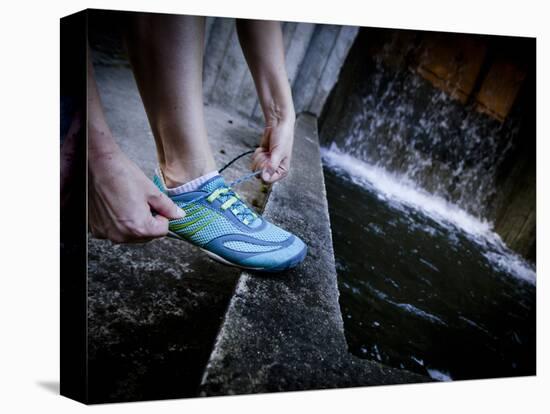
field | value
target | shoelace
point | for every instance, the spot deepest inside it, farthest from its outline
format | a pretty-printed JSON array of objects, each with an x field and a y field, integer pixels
[{"x": 228, "y": 197}]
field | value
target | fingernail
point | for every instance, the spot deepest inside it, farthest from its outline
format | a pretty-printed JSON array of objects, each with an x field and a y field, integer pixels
[{"x": 180, "y": 213}]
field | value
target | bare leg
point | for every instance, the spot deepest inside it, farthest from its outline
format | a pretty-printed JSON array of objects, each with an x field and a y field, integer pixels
[
  {"x": 120, "y": 196},
  {"x": 167, "y": 54}
]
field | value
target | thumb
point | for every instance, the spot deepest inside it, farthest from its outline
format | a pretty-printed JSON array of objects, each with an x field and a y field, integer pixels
[
  {"x": 157, "y": 226},
  {"x": 165, "y": 207},
  {"x": 273, "y": 163}
]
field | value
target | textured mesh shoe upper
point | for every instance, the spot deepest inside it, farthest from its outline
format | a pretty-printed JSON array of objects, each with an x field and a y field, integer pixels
[{"x": 235, "y": 233}]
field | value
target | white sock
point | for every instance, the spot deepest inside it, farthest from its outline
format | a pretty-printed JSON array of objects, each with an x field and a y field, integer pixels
[{"x": 191, "y": 185}]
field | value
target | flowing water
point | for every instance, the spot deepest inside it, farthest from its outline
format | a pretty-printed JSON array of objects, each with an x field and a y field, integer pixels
[
  {"x": 425, "y": 285},
  {"x": 397, "y": 120}
]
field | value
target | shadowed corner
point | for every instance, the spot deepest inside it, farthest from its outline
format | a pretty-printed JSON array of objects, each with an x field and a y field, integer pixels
[{"x": 51, "y": 386}]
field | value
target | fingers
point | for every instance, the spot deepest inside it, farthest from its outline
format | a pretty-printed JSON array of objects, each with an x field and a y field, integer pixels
[
  {"x": 157, "y": 227},
  {"x": 162, "y": 204},
  {"x": 273, "y": 155},
  {"x": 266, "y": 176},
  {"x": 262, "y": 153},
  {"x": 259, "y": 159},
  {"x": 139, "y": 230},
  {"x": 273, "y": 168},
  {"x": 277, "y": 155},
  {"x": 280, "y": 173}
]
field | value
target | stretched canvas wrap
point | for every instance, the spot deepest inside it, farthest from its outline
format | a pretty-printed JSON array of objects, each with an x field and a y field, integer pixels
[{"x": 375, "y": 223}]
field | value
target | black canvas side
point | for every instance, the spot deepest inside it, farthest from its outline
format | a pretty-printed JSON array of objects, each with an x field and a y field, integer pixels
[{"x": 73, "y": 340}]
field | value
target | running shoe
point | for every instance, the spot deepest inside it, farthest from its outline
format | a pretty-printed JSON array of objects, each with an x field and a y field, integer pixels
[{"x": 219, "y": 222}]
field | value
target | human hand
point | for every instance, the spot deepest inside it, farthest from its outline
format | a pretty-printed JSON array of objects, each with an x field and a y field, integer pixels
[
  {"x": 121, "y": 198},
  {"x": 275, "y": 151}
]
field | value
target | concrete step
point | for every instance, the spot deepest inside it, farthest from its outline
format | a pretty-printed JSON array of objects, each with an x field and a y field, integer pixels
[
  {"x": 285, "y": 331},
  {"x": 154, "y": 309}
]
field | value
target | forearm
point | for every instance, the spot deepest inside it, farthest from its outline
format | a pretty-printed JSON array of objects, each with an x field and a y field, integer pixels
[
  {"x": 262, "y": 44},
  {"x": 100, "y": 139}
]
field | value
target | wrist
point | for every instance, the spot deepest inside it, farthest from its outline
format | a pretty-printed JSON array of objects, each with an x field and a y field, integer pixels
[
  {"x": 275, "y": 97},
  {"x": 278, "y": 112},
  {"x": 101, "y": 152},
  {"x": 100, "y": 140}
]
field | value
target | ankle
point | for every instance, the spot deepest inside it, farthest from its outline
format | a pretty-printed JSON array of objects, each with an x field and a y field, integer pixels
[{"x": 177, "y": 175}]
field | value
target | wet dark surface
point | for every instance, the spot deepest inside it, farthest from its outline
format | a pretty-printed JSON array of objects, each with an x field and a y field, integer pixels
[{"x": 423, "y": 296}]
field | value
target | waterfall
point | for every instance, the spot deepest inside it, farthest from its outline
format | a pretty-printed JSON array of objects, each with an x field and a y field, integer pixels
[{"x": 406, "y": 126}]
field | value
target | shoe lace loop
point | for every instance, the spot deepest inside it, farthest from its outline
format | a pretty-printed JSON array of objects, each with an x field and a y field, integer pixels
[{"x": 229, "y": 198}]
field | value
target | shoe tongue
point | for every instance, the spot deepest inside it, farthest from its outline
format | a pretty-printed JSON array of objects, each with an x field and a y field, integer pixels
[
  {"x": 212, "y": 184},
  {"x": 216, "y": 182}
]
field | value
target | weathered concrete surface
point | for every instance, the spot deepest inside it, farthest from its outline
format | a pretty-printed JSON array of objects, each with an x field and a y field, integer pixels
[
  {"x": 285, "y": 332},
  {"x": 154, "y": 309},
  {"x": 321, "y": 66},
  {"x": 314, "y": 55}
]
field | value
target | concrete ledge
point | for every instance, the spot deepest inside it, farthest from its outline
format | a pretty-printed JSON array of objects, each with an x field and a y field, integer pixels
[
  {"x": 154, "y": 309},
  {"x": 285, "y": 332}
]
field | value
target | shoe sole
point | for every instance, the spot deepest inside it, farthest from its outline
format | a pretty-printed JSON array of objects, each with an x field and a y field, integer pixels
[{"x": 297, "y": 260}]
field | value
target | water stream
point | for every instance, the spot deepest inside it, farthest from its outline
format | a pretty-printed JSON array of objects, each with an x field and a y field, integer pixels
[
  {"x": 397, "y": 120},
  {"x": 425, "y": 285}
]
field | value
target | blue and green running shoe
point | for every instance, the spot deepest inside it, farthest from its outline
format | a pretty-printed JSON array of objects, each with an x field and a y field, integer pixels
[{"x": 220, "y": 223}]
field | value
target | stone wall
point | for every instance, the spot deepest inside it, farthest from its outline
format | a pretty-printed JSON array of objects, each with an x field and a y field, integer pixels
[{"x": 314, "y": 55}]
